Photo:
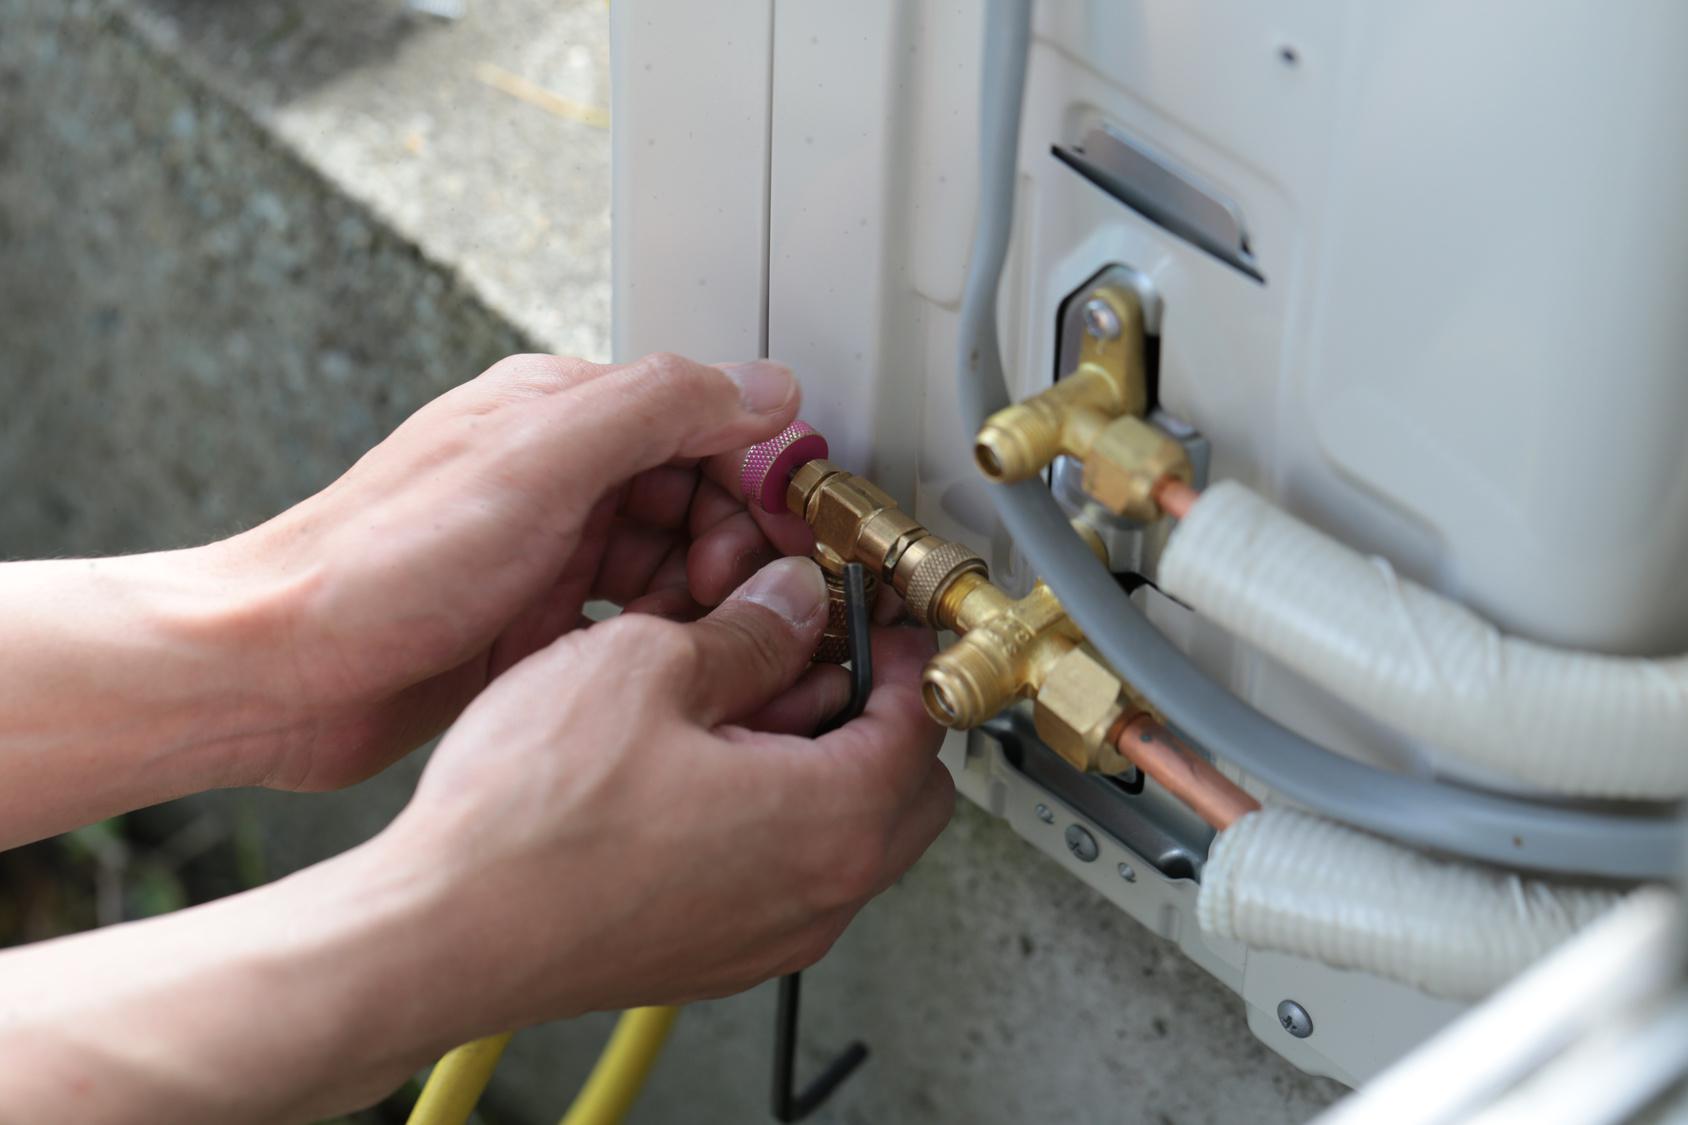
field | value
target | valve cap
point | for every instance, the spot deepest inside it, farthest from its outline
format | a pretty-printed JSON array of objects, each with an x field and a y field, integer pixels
[{"x": 768, "y": 467}]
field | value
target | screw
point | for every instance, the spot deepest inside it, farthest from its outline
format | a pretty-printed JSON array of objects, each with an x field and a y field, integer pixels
[
  {"x": 1128, "y": 872},
  {"x": 1100, "y": 319},
  {"x": 1295, "y": 1019},
  {"x": 1081, "y": 843},
  {"x": 1044, "y": 814}
]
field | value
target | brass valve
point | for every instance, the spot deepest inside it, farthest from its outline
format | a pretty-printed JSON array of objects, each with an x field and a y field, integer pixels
[
  {"x": 1009, "y": 648},
  {"x": 1093, "y": 414}
]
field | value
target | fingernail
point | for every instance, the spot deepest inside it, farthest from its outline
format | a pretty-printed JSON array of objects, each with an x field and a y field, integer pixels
[
  {"x": 792, "y": 588},
  {"x": 764, "y": 386}
]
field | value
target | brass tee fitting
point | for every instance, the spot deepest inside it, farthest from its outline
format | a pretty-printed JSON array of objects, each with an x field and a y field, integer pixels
[
  {"x": 1009, "y": 649},
  {"x": 853, "y": 519},
  {"x": 1094, "y": 414}
]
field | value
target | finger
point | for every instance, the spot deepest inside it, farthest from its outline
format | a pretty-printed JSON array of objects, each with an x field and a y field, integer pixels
[
  {"x": 754, "y": 645},
  {"x": 725, "y": 557},
  {"x": 894, "y": 740},
  {"x": 786, "y": 530},
  {"x": 725, "y": 470},
  {"x": 639, "y": 579},
  {"x": 662, "y": 497},
  {"x": 890, "y": 609},
  {"x": 557, "y": 611},
  {"x": 674, "y": 604},
  {"x": 818, "y": 695},
  {"x": 632, "y": 557},
  {"x": 714, "y": 503},
  {"x": 652, "y": 411},
  {"x": 671, "y": 575},
  {"x": 534, "y": 375},
  {"x": 710, "y": 506}
]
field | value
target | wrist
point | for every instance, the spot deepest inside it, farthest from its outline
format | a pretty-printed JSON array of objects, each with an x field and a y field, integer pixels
[
  {"x": 224, "y": 627},
  {"x": 368, "y": 989}
]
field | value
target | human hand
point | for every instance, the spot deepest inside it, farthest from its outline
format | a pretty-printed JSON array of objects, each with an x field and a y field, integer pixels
[
  {"x": 602, "y": 828},
  {"x": 477, "y": 531}
]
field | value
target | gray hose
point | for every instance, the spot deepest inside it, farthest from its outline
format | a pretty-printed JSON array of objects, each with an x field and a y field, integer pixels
[{"x": 1484, "y": 826}]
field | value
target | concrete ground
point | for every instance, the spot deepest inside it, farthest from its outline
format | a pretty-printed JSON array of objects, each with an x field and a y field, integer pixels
[{"x": 238, "y": 244}]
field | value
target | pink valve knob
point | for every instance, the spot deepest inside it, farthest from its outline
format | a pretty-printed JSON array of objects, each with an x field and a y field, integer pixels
[{"x": 768, "y": 466}]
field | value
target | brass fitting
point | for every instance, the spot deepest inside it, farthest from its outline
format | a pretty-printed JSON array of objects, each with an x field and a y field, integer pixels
[
  {"x": 1110, "y": 381},
  {"x": 1080, "y": 710},
  {"x": 1094, "y": 414},
  {"x": 1009, "y": 649},
  {"x": 854, "y": 519},
  {"x": 1128, "y": 460}
]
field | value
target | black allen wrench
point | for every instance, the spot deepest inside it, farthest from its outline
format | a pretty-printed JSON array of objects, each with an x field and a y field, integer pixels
[{"x": 788, "y": 1103}]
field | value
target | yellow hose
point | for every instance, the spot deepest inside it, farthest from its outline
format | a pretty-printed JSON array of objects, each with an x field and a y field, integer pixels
[
  {"x": 620, "y": 1073},
  {"x": 610, "y": 1090},
  {"x": 457, "y": 1081}
]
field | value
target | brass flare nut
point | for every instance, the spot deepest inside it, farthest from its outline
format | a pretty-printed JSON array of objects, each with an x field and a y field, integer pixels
[
  {"x": 1080, "y": 710},
  {"x": 1126, "y": 461}
]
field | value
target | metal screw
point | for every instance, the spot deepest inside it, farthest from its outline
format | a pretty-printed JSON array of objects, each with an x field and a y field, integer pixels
[
  {"x": 1044, "y": 814},
  {"x": 1128, "y": 872},
  {"x": 1081, "y": 843},
  {"x": 1100, "y": 319},
  {"x": 1295, "y": 1019}
]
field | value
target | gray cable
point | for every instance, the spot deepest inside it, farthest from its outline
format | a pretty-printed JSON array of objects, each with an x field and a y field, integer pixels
[{"x": 1465, "y": 822}]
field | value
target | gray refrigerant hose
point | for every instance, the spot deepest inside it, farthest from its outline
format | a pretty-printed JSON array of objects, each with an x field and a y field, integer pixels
[{"x": 1465, "y": 822}]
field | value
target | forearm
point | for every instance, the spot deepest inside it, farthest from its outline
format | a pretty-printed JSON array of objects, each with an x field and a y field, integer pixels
[
  {"x": 295, "y": 1001},
  {"x": 127, "y": 681}
]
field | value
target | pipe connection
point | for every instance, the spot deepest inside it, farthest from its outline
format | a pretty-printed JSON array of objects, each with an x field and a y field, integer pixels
[
  {"x": 1095, "y": 415},
  {"x": 1010, "y": 649}
]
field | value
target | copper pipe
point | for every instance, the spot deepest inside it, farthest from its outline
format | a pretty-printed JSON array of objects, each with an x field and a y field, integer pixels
[
  {"x": 1175, "y": 497},
  {"x": 1213, "y": 796}
]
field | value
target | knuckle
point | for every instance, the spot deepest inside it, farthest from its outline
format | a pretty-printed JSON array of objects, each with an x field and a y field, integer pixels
[
  {"x": 665, "y": 647},
  {"x": 664, "y": 367},
  {"x": 536, "y": 371},
  {"x": 666, "y": 373},
  {"x": 518, "y": 378}
]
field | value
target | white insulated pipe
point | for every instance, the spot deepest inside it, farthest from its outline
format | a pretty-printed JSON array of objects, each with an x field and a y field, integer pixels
[
  {"x": 1288, "y": 881},
  {"x": 1566, "y": 721}
]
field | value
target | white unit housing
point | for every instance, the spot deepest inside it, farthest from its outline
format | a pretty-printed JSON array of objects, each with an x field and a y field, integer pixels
[{"x": 1447, "y": 333}]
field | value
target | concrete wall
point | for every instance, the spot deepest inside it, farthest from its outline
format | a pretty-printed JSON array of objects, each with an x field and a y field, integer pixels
[{"x": 198, "y": 326}]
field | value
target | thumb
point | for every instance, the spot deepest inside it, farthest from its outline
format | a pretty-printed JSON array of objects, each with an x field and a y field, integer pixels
[
  {"x": 661, "y": 407},
  {"x": 755, "y": 645}
]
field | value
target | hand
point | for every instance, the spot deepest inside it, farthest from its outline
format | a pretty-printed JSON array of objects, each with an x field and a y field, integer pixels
[
  {"x": 601, "y": 829},
  {"x": 474, "y": 535}
]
